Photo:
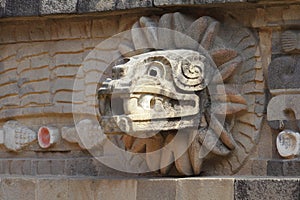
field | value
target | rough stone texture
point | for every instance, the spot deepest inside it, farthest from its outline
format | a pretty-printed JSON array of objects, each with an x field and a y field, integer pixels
[
  {"x": 283, "y": 189},
  {"x": 284, "y": 167},
  {"x": 283, "y": 73},
  {"x": 21, "y": 8},
  {"x": 58, "y": 188},
  {"x": 15, "y": 188},
  {"x": 56, "y": 7},
  {"x": 191, "y": 2},
  {"x": 205, "y": 188},
  {"x": 175, "y": 189},
  {"x": 100, "y": 5},
  {"x": 159, "y": 189}
]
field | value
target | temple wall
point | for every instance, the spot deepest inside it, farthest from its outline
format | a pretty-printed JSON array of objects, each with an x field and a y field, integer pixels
[{"x": 42, "y": 47}]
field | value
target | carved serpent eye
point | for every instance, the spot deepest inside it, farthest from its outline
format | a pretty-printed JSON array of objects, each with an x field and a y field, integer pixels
[
  {"x": 155, "y": 69},
  {"x": 153, "y": 72}
]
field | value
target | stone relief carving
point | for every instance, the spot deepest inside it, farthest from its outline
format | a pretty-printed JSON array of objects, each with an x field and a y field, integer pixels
[
  {"x": 48, "y": 136},
  {"x": 86, "y": 133},
  {"x": 16, "y": 136},
  {"x": 290, "y": 41},
  {"x": 288, "y": 144},
  {"x": 209, "y": 89},
  {"x": 283, "y": 80}
]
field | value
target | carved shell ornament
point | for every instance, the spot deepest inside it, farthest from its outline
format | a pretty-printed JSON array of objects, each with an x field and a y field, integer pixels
[{"x": 188, "y": 89}]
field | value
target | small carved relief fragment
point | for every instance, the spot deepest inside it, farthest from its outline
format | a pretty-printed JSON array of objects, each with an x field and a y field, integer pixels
[
  {"x": 48, "y": 136},
  {"x": 290, "y": 41},
  {"x": 16, "y": 136},
  {"x": 288, "y": 144},
  {"x": 86, "y": 133}
]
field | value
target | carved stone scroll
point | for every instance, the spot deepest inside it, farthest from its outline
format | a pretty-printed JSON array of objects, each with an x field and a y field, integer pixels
[{"x": 284, "y": 84}]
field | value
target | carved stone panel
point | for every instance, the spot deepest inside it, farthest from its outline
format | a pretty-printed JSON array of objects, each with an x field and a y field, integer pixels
[
  {"x": 190, "y": 89},
  {"x": 283, "y": 113}
]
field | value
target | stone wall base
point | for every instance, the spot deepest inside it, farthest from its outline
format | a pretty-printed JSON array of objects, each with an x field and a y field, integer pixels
[{"x": 225, "y": 188}]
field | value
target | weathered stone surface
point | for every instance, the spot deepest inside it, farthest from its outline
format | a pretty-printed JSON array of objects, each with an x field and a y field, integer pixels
[
  {"x": 87, "y": 133},
  {"x": 102, "y": 188},
  {"x": 284, "y": 167},
  {"x": 98, "y": 5},
  {"x": 191, "y": 2},
  {"x": 205, "y": 188},
  {"x": 289, "y": 41},
  {"x": 20, "y": 167},
  {"x": 2, "y": 9},
  {"x": 160, "y": 189},
  {"x": 16, "y": 136},
  {"x": 283, "y": 82},
  {"x": 118, "y": 189},
  {"x": 81, "y": 189},
  {"x": 56, "y": 7},
  {"x": 21, "y": 8},
  {"x": 266, "y": 189},
  {"x": 283, "y": 111},
  {"x": 52, "y": 189},
  {"x": 283, "y": 73},
  {"x": 18, "y": 188},
  {"x": 288, "y": 143}
]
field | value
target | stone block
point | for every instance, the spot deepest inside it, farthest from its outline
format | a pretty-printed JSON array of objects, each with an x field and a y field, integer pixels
[
  {"x": 85, "y": 167},
  {"x": 35, "y": 87},
  {"x": 115, "y": 189},
  {"x": 66, "y": 71},
  {"x": 22, "y": 33},
  {"x": 205, "y": 188},
  {"x": 291, "y": 168},
  {"x": 40, "y": 99},
  {"x": 44, "y": 167},
  {"x": 99, "y": 5},
  {"x": 81, "y": 189},
  {"x": 50, "y": 189},
  {"x": 284, "y": 107},
  {"x": 58, "y": 167},
  {"x": 106, "y": 27},
  {"x": 5, "y": 33},
  {"x": 63, "y": 84},
  {"x": 187, "y": 2},
  {"x": 256, "y": 189},
  {"x": 2, "y": 10},
  {"x": 4, "y": 166},
  {"x": 40, "y": 61},
  {"x": 21, "y": 8},
  {"x": 283, "y": 167},
  {"x": 20, "y": 167},
  {"x": 259, "y": 167},
  {"x": 57, "y": 6},
  {"x": 159, "y": 189},
  {"x": 18, "y": 188},
  {"x": 70, "y": 167},
  {"x": 283, "y": 73},
  {"x": 69, "y": 29},
  {"x": 68, "y": 59}
]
